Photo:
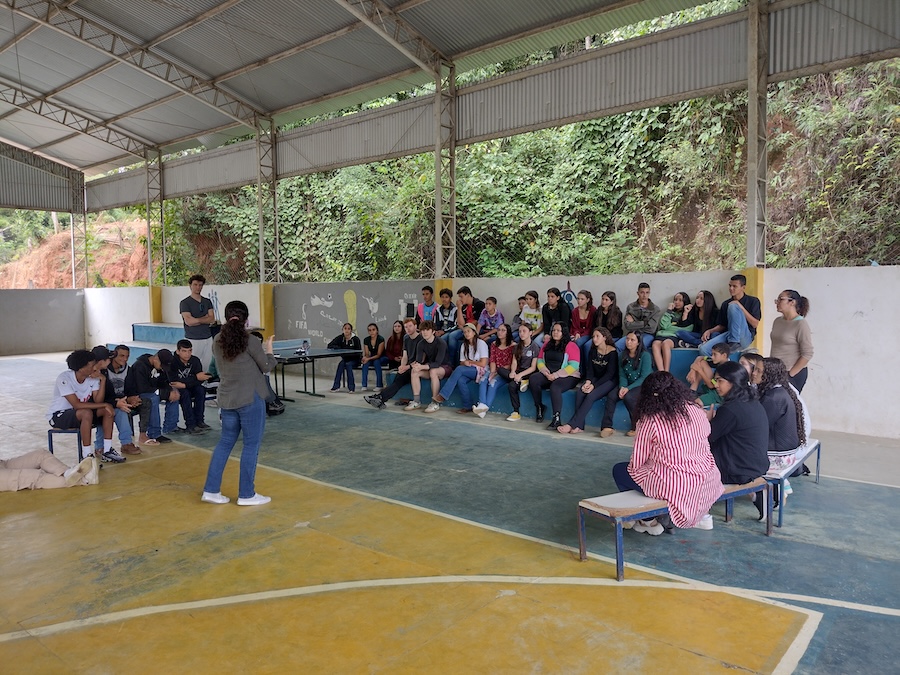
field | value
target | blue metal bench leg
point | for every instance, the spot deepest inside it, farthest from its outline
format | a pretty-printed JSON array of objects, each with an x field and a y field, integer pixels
[
  {"x": 729, "y": 510},
  {"x": 620, "y": 555},
  {"x": 582, "y": 543},
  {"x": 769, "y": 503},
  {"x": 780, "y": 501}
]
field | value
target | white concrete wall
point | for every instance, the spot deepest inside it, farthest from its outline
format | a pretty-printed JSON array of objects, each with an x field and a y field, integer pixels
[
  {"x": 109, "y": 313},
  {"x": 33, "y": 321},
  {"x": 220, "y": 295},
  {"x": 854, "y": 381}
]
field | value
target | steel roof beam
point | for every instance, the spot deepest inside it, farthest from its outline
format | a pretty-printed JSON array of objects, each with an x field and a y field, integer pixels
[
  {"x": 72, "y": 119},
  {"x": 125, "y": 50},
  {"x": 396, "y": 32}
]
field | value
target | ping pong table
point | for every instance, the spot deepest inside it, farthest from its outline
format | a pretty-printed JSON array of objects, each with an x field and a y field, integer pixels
[{"x": 287, "y": 353}]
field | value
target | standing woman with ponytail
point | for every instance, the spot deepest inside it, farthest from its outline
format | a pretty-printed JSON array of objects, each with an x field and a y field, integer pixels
[
  {"x": 791, "y": 336},
  {"x": 242, "y": 361}
]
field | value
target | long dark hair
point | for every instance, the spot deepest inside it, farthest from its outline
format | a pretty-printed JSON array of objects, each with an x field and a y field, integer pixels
[
  {"x": 775, "y": 374},
  {"x": 233, "y": 338},
  {"x": 607, "y": 336},
  {"x": 520, "y": 345},
  {"x": 737, "y": 376},
  {"x": 662, "y": 395},
  {"x": 556, "y": 345},
  {"x": 638, "y": 353},
  {"x": 509, "y": 341},
  {"x": 613, "y": 314},
  {"x": 710, "y": 312}
]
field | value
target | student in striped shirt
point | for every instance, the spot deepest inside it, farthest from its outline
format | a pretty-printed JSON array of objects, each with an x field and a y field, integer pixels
[{"x": 671, "y": 458}]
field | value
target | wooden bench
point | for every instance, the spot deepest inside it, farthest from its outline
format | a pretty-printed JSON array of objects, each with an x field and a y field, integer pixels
[
  {"x": 779, "y": 476},
  {"x": 631, "y": 505}
]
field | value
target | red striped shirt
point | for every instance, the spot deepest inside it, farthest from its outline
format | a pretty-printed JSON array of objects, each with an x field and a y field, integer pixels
[{"x": 672, "y": 461}]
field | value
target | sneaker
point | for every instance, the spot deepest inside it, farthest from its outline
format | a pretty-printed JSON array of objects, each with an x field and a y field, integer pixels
[
  {"x": 195, "y": 430},
  {"x": 759, "y": 501},
  {"x": 413, "y": 405},
  {"x": 163, "y": 439},
  {"x": 177, "y": 430},
  {"x": 480, "y": 409},
  {"x": 364, "y": 389},
  {"x": 650, "y": 527},
  {"x": 203, "y": 425},
  {"x": 334, "y": 390},
  {"x": 214, "y": 498},
  {"x": 75, "y": 474},
  {"x": 377, "y": 389},
  {"x": 788, "y": 490},
  {"x": 433, "y": 407},
  {"x": 515, "y": 417},
  {"x": 705, "y": 523},
  {"x": 606, "y": 432},
  {"x": 734, "y": 347},
  {"x": 93, "y": 476},
  {"x": 255, "y": 500},
  {"x": 374, "y": 401},
  {"x": 111, "y": 456},
  {"x": 523, "y": 385}
]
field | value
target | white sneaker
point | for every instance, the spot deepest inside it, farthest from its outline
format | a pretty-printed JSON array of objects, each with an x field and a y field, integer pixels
[
  {"x": 480, "y": 407},
  {"x": 523, "y": 386},
  {"x": 214, "y": 498},
  {"x": 377, "y": 389},
  {"x": 433, "y": 407},
  {"x": 413, "y": 405},
  {"x": 788, "y": 490},
  {"x": 76, "y": 474},
  {"x": 705, "y": 523},
  {"x": 255, "y": 500},
  {"x": 649, "y": 526},
  {"x": 93, "y": 476}
]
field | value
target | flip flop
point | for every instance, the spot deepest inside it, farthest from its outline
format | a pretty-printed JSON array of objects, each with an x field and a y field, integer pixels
[{"x": 151, "y": 441}]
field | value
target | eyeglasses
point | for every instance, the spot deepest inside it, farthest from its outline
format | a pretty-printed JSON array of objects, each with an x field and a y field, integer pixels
[{"x": 777, "y": 300}]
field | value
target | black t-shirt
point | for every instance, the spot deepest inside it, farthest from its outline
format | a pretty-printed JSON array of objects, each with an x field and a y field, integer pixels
[
  {"x": 433, "y": 353},
  {"x": 750, "y": 303}
]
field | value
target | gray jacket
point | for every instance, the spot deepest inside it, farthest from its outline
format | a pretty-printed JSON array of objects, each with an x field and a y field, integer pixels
[
  {"x": 646, "y": 319},
  {"x": 243, "y": 376}
]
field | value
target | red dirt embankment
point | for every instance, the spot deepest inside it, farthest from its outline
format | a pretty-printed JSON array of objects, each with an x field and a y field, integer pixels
[{"x": 118, "y": 257}]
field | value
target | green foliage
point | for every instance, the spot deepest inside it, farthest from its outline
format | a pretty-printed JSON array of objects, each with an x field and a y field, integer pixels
[{"x": 21, "y": 230}]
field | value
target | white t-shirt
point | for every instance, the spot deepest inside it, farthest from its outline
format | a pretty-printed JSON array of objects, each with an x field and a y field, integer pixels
[
  {"x": 67, "y": 384},
  {"x": 532, "y": 316},
  {"x": 481, "y": 351}
]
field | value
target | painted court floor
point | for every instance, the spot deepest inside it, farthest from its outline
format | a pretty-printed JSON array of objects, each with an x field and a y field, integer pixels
[{"x": 398, "y": 542}]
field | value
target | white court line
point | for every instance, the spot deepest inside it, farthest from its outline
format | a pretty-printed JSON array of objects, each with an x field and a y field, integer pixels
[
  {"x": 858, "y": 480},
  {"x": 787, "y": 664}
]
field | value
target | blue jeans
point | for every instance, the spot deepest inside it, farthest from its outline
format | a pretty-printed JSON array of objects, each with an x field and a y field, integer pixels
[
  {"x": 646, "y": 338},
  {"x": 345, "y": 367},
  {"x": 377, "y": 364},
  {"x": 689, "y": 337},
  {"x": 487, "y": 391},
  {"x": 738, "y": 330},
  {"x": 193, "y": 405},
  {"x": 460, "y": 376},
  {"x": 123, "y": 424},
  {"x": 251, "y": 421},
  {"x": 151, "y": 400},
  {"x": 623, "y": 479},
  {"x": 454, "y": 341}
]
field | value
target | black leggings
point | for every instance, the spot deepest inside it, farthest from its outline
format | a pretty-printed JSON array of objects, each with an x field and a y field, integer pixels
[
  {"x": 584, "y": 403},
  {"x": 538, "y": 382},
  {"x": 631, "y": 399}
]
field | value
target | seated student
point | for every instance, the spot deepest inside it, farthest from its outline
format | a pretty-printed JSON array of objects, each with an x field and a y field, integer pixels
[
  {"x": 601, "y": 377},
  {"x": 753, "y": 364},
  {"x": 40, "y": 469},
  {"x": 468, "y": 310},
  {"x": 373, "y": 357},
  {"x": 558, "y": 368},
  {"x": 102, "y": 359},
  {"x": 432, "y": 363},
  {"x": 404, "y": 374},
  {"x": 425, "y": 310},
  {"x": 473, "y": 361},
  {"x": 393, "y": 348},
  {"x": 739, "y": 431},
  {"x": 499, "y": 362},
  {"x": 583, "y": 318},
  {"x": 187, "y": 376},
  {"x": 609, "y": 316},
  {"x": 675, "y": 317},
  {"x": 147, "y": 379},
  {"x": 524, "y": 363},
  {"x": 738, "y": 319},
  {"x": 702, "y": 374},
  {"x": 671, "y": 459},
  {"x": 112, "y": 381},
  {"x": 78, "y": 403},
  {"x": 556, "y": 310},
  {"x": 634, "y": 367},
  {"x": 702, "y": 315},
  {"x": 490, "y": 320},
  {"x": 532, "y": 315},
  {"x": 346, "y": 340},
  {"x": 641, "y": 316},
  {"x": 517, "y": 319},
  {"x": 785, "y": 412},
  {"x": 445, "y": 316}
]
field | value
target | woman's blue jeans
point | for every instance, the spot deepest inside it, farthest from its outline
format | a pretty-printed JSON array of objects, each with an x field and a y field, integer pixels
[
  {"x": 461, "y": 376},
  {"x": 487, "y": 391},
  {"x": 251, "y": 421},
  {"x": 377, "y": 364},
  {"x": 345, "y": 367}
]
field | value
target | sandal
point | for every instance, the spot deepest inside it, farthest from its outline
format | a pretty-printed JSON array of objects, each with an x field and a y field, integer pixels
[{"x": 151, "y": 441}]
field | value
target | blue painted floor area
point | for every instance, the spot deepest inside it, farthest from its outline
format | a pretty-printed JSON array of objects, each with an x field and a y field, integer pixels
[{"x": 838, "y": 542}]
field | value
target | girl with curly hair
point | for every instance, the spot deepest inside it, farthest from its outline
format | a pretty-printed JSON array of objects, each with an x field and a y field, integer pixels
[
  {"x": 785, "y": 411},
  {"x": 671, "y": 458},
  {"x": 242, "y": 362}
]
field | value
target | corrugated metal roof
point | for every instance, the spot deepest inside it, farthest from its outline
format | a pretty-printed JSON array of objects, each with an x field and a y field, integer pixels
[{"x": 289, "y": 58}]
